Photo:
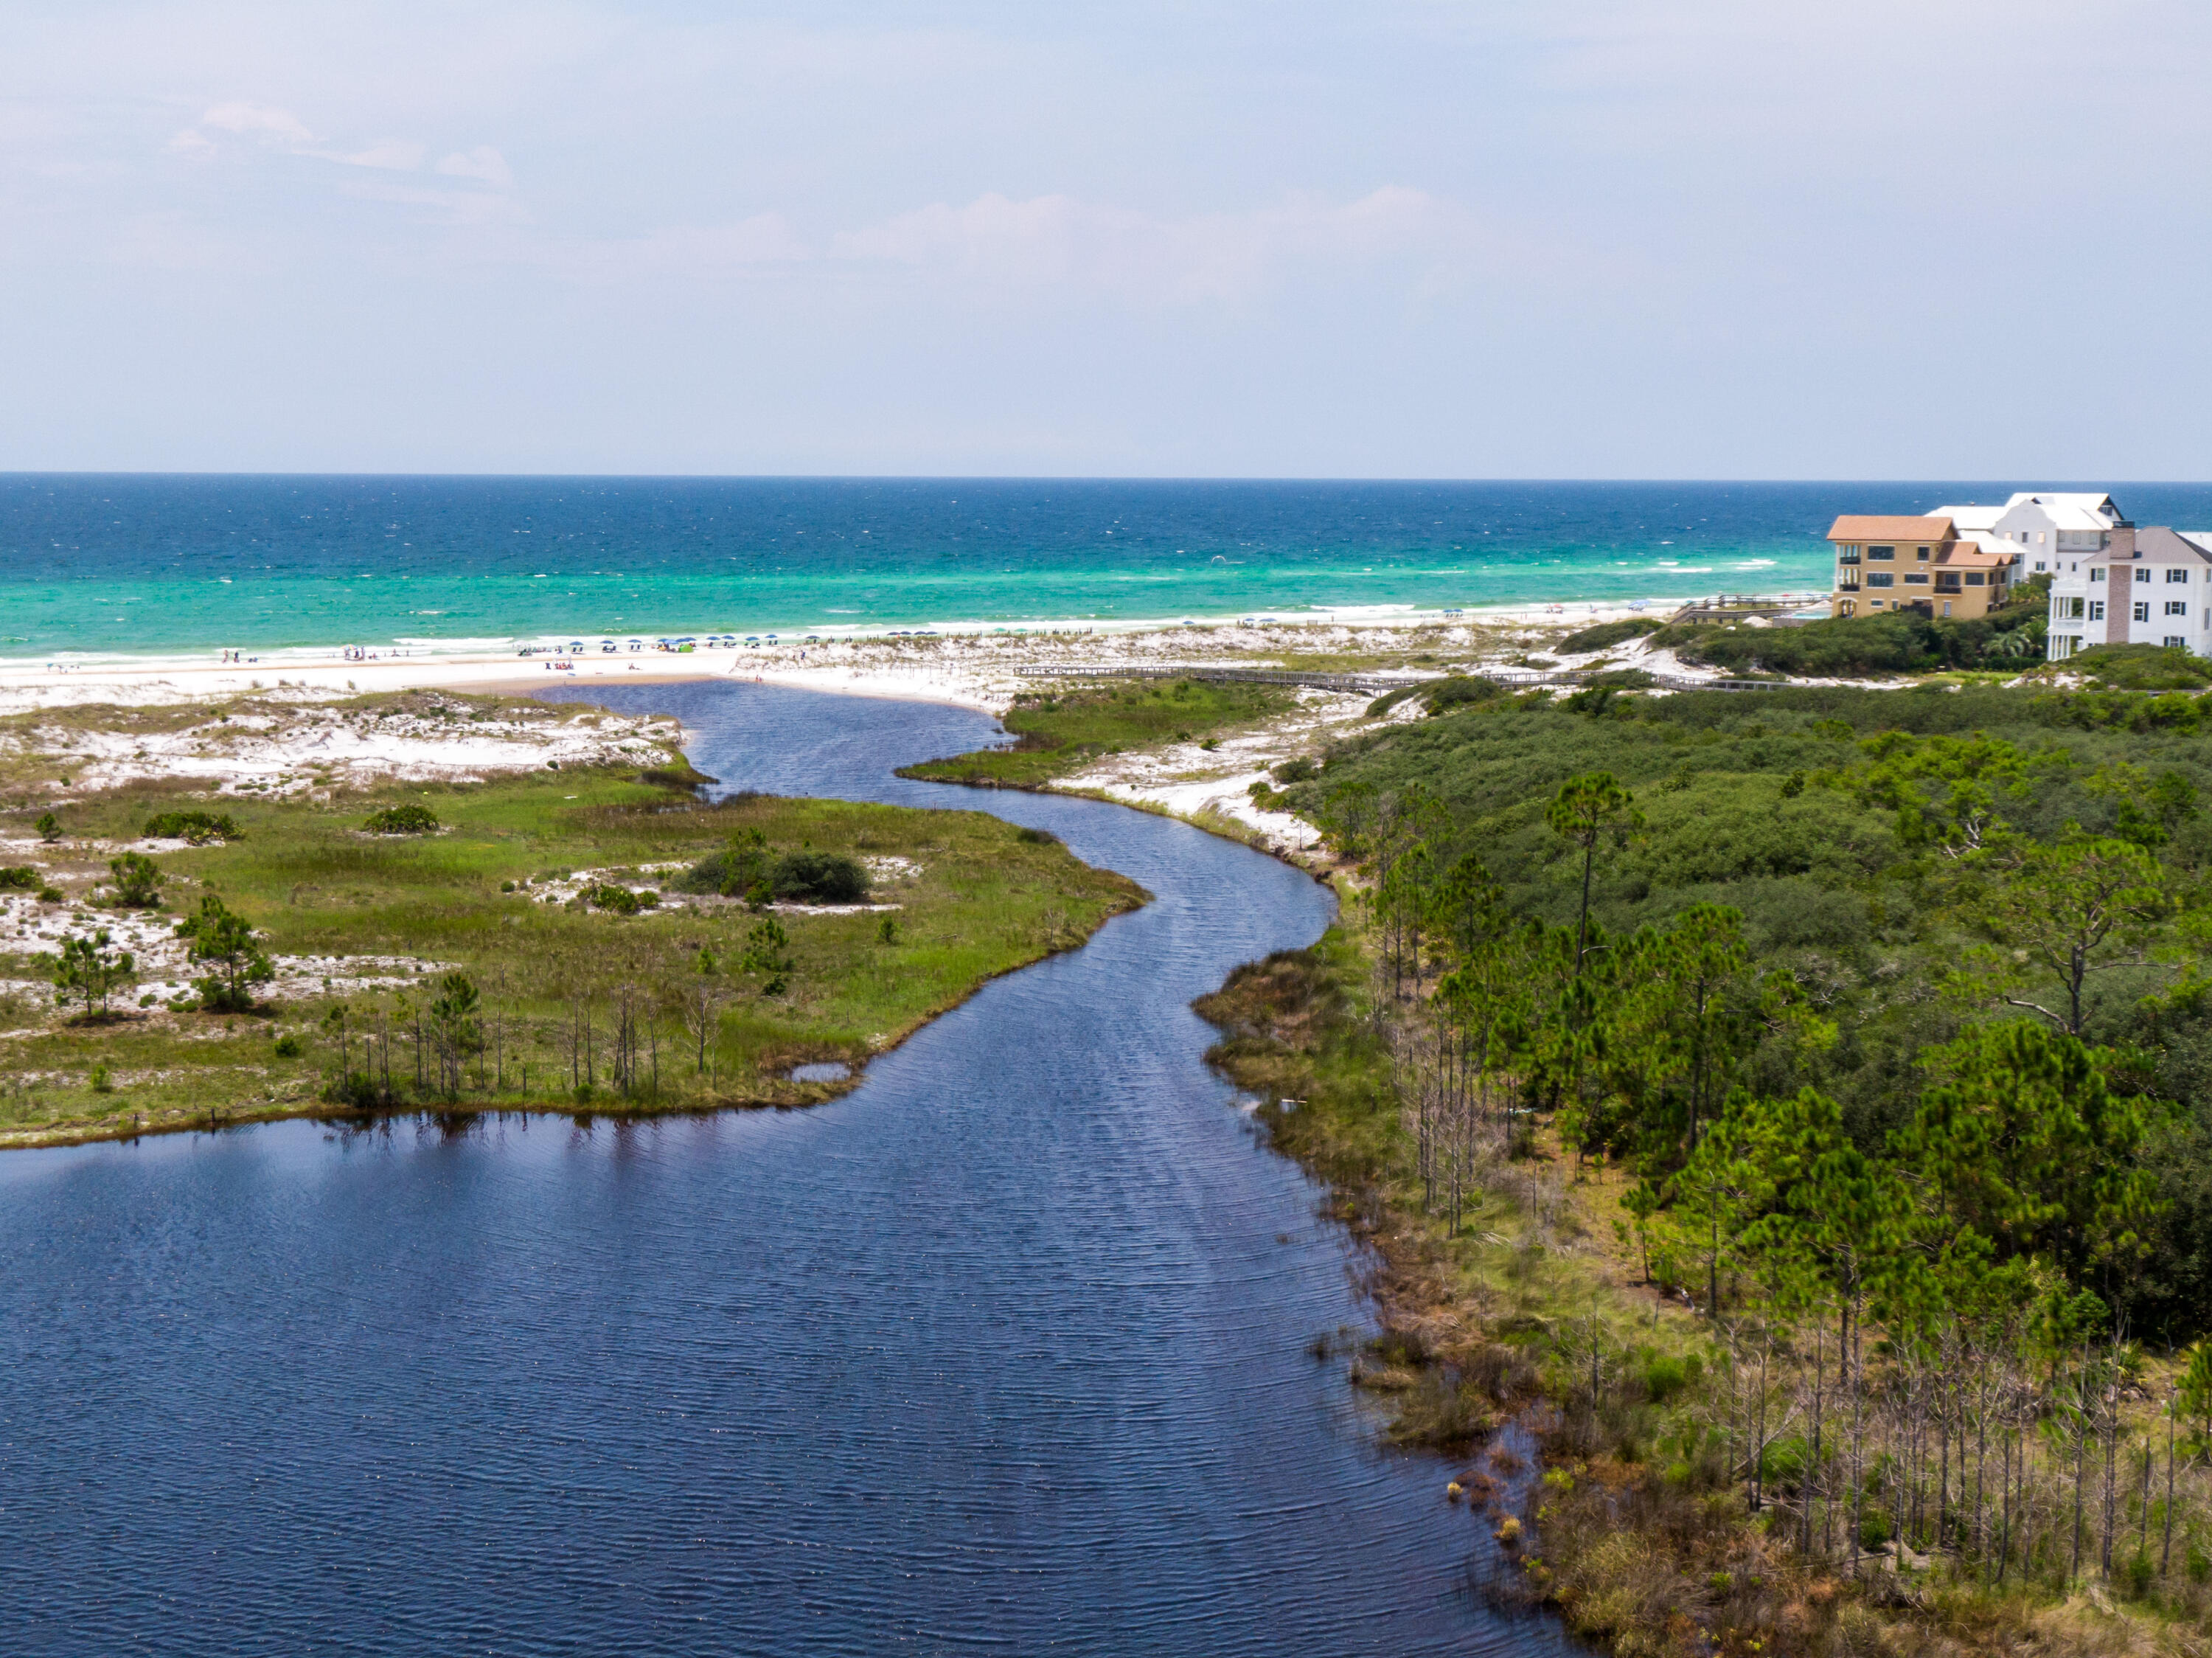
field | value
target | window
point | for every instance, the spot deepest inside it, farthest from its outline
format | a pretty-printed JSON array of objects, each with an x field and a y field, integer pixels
[
  {"x": 2069, "y": 610},
  {"x": 2039, "y": 563},
  {"x": 2040, "y": 538},
  {"x": 2177, "y": 575},
  {"x": 2096, "y": 572},
  {"x": 2143, "y": 610},
  {"x": 2096, "y": 610},
  {"x": 1880, "y": 578},
  {"x": 1882, "y": 552},
  {"x": 2176, "y": 607},
  {"x": 2143, "y": 575},
  {"x": 1946, "y": 607},
  {"x": 2175, "y": 642},
  {"x": 1923, "y": 555},
  {"x": 1916, "y": 578},
  {"x": 1975, "y": 579}
]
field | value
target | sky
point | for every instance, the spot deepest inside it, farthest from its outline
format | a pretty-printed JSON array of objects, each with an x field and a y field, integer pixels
[{"x": 1398, "y": 238}]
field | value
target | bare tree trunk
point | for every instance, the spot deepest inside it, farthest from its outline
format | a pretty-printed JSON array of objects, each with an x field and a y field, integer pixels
[{"x": 2166, "y": 1554}]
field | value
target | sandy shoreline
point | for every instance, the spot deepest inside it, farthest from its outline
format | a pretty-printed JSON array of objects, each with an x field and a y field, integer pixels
[
  {"x": 309, "y": 729},
  {"x": 972, "y": 668},
  {"x": 967, "y": 664}
]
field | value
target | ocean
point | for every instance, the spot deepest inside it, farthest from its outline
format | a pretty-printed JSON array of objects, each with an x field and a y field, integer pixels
[{"x": 105, "y": 566}]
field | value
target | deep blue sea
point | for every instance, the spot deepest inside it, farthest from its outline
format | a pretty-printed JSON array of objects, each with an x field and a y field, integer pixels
[{"x": 145, "y": 564}]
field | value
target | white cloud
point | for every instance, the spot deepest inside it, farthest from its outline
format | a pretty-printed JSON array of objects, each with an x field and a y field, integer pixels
[
  {"x": 388, "y": 154},
  {"x": 483, "y": 163},
  {"x": 273, "y": 126},
  {"x": 280, "y": 129}
]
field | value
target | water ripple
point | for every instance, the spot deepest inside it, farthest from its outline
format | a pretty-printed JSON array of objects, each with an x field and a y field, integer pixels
[{"x": 1001, "y": 1352}]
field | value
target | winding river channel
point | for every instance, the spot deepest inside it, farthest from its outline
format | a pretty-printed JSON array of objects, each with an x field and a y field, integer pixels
[{"x": 1004, "y": 1352}]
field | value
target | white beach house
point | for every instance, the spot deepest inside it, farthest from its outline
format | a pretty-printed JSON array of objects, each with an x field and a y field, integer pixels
[
  {"x": 2151, "y": 585},
  {"x": 2041, "y": 527}
]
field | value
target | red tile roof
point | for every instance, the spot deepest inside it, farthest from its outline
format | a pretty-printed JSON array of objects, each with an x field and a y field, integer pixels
[{"x": 1852, "y": 528}]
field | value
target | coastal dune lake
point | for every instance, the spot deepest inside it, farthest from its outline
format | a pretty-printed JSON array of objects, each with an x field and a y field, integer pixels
[{"x": 1004, "y": 1352}]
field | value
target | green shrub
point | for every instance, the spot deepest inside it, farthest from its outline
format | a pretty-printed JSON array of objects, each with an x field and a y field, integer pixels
[
  {"x": 289, "y": 1047},
  {"x": 1894, "y": 642},
  {"x": 1605, "y": 635},
  {"x": 1449, "y": 691},
  {"x": 731, "y": 873},
  {"x": 1663, "y": 1378},
  {"x": 195, "y": 828},
  {"x": 137, "y": 880},
  {"x": 2139, "y": 667},
  {"x": 1036, "y": 837},
  {"x": 19, "y": 878},
  {"x": 401, "y": 821},
  {"x": 620, "y": 900},
  {"x": 819, "y": 878},
  {"x": 1458, "y": 690},
  {"x": 746, "y": 870},
  {"x": 1300, "y": 770}
]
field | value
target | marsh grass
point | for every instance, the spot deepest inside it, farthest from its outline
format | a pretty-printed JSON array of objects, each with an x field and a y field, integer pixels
[
  {"x": 554, "y": 978},
  {"x": 1063, "y": 729}
]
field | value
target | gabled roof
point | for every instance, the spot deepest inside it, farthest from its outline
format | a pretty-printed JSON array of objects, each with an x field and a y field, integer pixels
[
  {"x": 1971, "y": 555},
  {"x": 1850, "y": 528},
  {"x": 2202, "y": 539},
  {"x": 1970, "y": 519},
  {"x": 2075, "y": 511},
  {"x": 2157, "y": 545}
]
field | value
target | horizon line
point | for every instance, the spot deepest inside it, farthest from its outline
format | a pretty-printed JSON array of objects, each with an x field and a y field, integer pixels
[{"x": 13, "y": 474}]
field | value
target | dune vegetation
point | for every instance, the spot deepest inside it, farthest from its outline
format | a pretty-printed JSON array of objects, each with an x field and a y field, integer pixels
[
  {"x": 1064, "y": 728},
  {"x": 1799, "y": 1101}
]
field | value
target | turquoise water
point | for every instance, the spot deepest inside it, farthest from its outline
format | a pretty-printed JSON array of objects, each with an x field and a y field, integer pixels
[{"x": 140, "y": 565}]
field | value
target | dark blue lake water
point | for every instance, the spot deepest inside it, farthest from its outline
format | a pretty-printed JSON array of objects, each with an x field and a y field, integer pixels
[{"x": 1006, "y": 1351}]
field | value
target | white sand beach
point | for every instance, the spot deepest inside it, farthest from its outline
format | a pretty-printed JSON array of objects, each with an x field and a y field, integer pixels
[
  {"x": 305, "y": 727},
  {"x": 973, "y": 666}
]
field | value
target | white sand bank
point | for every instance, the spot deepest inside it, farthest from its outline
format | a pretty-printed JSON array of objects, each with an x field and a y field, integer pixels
[{"x": 976, "y": 668}]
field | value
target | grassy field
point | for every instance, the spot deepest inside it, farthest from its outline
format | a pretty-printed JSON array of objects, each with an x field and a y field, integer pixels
[
  {"x": 580, "y": 1006},
  {"x": 1064, "y": 728}
]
